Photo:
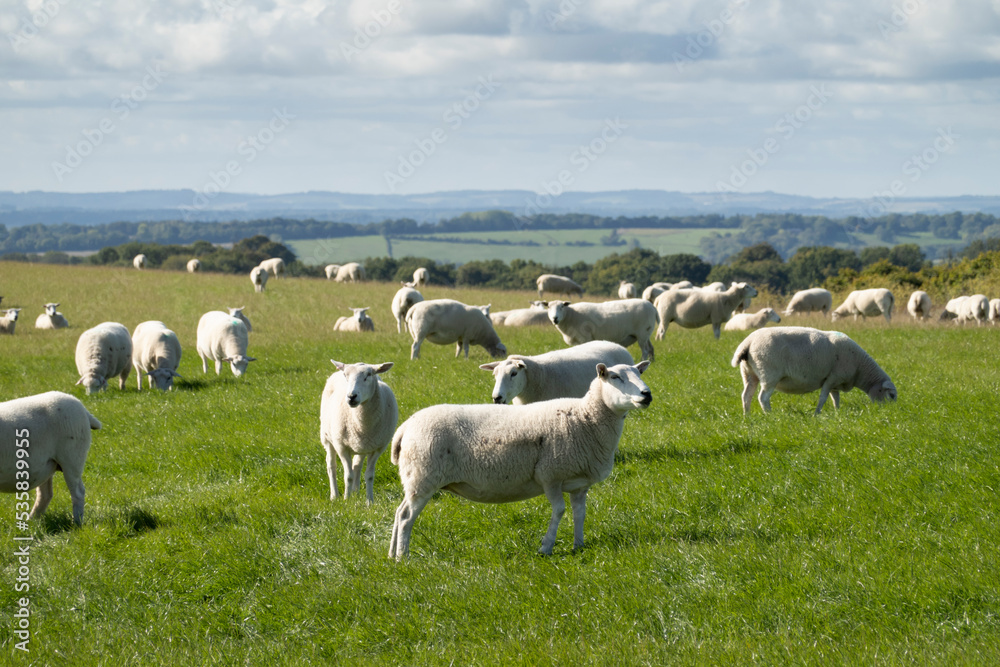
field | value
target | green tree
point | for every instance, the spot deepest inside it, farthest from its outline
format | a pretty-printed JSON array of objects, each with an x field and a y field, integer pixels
[{"x": 811, "y": 266}]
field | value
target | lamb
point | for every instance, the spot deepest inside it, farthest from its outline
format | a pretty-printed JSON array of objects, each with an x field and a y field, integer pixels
[
  {"x": 53, "y": 432},
  {"x": 9, "y": 321},
  {"x": 919, "y": 305},
  {"x": 866, "y": 303},
  {"x": 331, "y": 271},
  {"x": 812, "y": 300},
  {"x": 404, "y": 299},
  {"x": 625, "y": 321},
  {"x": 420, "y": 277},
  {"x": 506, "y": 453},
  {"x": 258, "y": 276},
  {"x": 222, "y": 337},
  {"x": 693, "y": 308},
  {"x": 275, "y": 265},
  {"x": 358, "y": 322},
  {"x": 351, "y": 272},
  {"x": 548, "y": 282},
  {"x": 994, "y": 311},
  {"x": 953, "y": 308},
  {"x": 51, "y": 319},
  {"x": 102, "y": 353},
  {"x": 557, "y": 374},
  {"x": 976, "y": 309},
  {"x": 156, "y": 353},
  {"x": 444, "y": 321},
  {"x": 358, "y": 415},
  {"x": 139, "y": 261},
  {"x": 238, "y": 314},
  {"x": 800, "y": 360},
  {"x": 194, "y": 265},
  {"x": 745, "y": 321},
  {"x": 626, "y": 290},
  {"x": 536, "y": 315}
]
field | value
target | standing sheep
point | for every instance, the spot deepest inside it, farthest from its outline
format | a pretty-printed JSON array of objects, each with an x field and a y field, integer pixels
[
  {"x": 358, "y": 415},
  {"x": 238, "y": 314},
  {"x": 275, "y": 265},
  {"x": 558, "y": 374},
  {"x": 156, "y": 353},
  {"x": 506, "y": 453},
  {"x": 953, "y": 308},
  {"x": 102, "y": 353},
  {"x": 9, "y": 321},
  {"x": 714, "y": 287},
  {"x": 626, "y": 290},
  {"x": 352, "y": 272},
  {"x": 194, "y": 265},
  {"x": 974, "y": 309},
  {"x": 548, "y": 282},
  {"x": 444, "y": 321},
  {"x": 866, "y": 303},
  {"x": 693, "y": 308},
  {"x": 655, "y": 290},
  {"x": 625, "y": 321},
  {"x": 258, "y": 276},
  {"x": 51, "y": 319},
  {"x": 53, "y": 429},
  {"x": 919, "y": 305},
  {"x": 812, "y": 300},
  {"x": 331, "y": 271},
  {"x": 403, "y": 300},
  {"x": 994, "y": 311},
  {"x": 800, "y": 360},
  {"x": 357, "y": 322},
  {"x": 139, "y": 261},
  {"x": 222, "y": 337},
  {"x": 745, "y": 321},
  {"x": 420, "y": 277}
]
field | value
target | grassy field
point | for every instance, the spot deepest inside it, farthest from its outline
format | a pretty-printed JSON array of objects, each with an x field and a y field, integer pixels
[{"x": 864, "y": 536}]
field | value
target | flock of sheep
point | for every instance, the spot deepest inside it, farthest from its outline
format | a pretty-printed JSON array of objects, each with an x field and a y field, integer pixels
[{"x": 555, "y": 420}]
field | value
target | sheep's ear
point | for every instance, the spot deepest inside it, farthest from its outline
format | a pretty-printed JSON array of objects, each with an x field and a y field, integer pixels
[
  {"x": 176, "y": 375},
  {"x": 80, "y": 381},
  {"x": 642, "y": 366},
  {"x": 251, "y": 358},
  {"x": 339, "y": 365},
  {"x": 382, "y": 368},
  {"x": 602, "y": 371},
  {"x": 520, "y": 364},
  {"x": 490, "y": 366}
]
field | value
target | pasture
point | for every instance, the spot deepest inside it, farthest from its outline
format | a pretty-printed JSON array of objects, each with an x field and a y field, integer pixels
[{"x": 868, "y": 535}]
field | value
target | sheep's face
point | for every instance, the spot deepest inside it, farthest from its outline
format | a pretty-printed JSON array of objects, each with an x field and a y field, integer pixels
[
  {"x": 93, "y": 384},
  {"x": 361, "y": 380},
  {"x": 883, "y": 392},
  {"x": 163, "y": 378},
  {"x": 50, "y": 309},
  {"x": 557, "y": 311},
  {"x": 542, "y": 305},
  {"x": 499, "y": 351},
  {"x": 12, "y": 314},
  {"x": 622, "y": 388},
  {"x": 772, "y": 316},
  {"x": 239, "y": 364},
  {"x": 511, "y": 377}
]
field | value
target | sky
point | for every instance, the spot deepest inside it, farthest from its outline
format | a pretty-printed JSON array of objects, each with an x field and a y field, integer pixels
[{"x": 841, "y": 98}]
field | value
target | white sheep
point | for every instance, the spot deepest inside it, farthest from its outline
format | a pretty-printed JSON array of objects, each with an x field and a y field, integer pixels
[
  {"x": 919, "y": 305},
  {"x": 714, "y": 287},
  {"x": 548, "y": 282},
  {"x": 994, "y": 311},
  {"x": 331, "y": 271},
  {"x": 536, "y": 315},
  {"x": 800, "y": 360},
  {"x": 745, "y": 321},
  {"x": 51, "y": 319},
  {"x": 866, "y": 303},
  {"x": 557, "y": 374},
  {"x": 357, "y": 322},
  {"x": 953, "y": 308},
  {"x": 103, "y": 352},
  {"x": 139, "y": 261},
  {"x": 275, "y": 265},
  {"x": 684, "y": 284},
  {"x": 626, "y": 290},
  {"x": 812, "y": 300},
  {"x": 238, "y": 314},
  {"x": 420, "y": 277},
  {"x": 258, "y": 276},
  {"x": 358, "y": 415},
  {"x": 974, "y": 309},
  {"x": 39, "y": 435},
  {"x": 156, "y": 353},
  {"x": 222, "y": 337},
  {"x": 403, "y": 300},
  {"x": 445, "y": 321},
  {"x": 9, "y": 321},
  {"x": 655, "y": 290},
  {"x": 194, "y": 265},
  {"x": 693, "y": 308},
  {"x": 352, "y": 272},
  {"x": 625, "y": 321},
  {"x": 506, "y": 453}
]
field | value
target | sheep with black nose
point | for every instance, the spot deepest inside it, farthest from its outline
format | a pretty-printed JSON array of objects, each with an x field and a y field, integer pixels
[{"x": 358, "y": 322}]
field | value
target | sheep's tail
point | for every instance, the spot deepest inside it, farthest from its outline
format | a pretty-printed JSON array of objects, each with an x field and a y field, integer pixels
[
  {"x": 397, "y": 445},
  {"x": 94, "y": 424},
  {"x": 742, "y": 352}
]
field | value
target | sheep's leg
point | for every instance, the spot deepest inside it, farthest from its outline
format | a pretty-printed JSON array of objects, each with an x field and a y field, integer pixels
[
  {"x": 415, "y": 348},
  {"x": 399, "y": 325},
  {"x": 218, "y": 366},
  {"x": 578, "y": 501},
  {"x": 823, "y": 393},
  {"x": 661, "y": 330},
  {"x": 717, "y": 329},
  {"x": 764, "y": 398},
  {"x": 647, "y": 349},
  {"x": 331, "y": 471},
  {"x": 370, "y": 476},
  {"x": 750, "y": 382},
  {"x": 555, "y": 496},
  {"x": 402, "y": 527},
  {"x": 356, "y": 473},
  {"x": 345, "y": 460},
  {"x": 138, "y": 378},
  {"x": 42, "y": 497},
  {"x": 835, "y": 397},
  {"x": 458, "y": 348},
  {"x": 124, "y": 376},
  {"x": 204, "y": 365},
  {"x": 76, "y": 492}
]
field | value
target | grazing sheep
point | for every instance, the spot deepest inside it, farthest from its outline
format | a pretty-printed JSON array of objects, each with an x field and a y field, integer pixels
[
  {"x": 9, "y": 321},
  {"x": 745, "y": 321},
  {"x": 625, "y": 321},
  {"x": 444, "y": 321},
  {"x": 238, "y": 314},
  {"x": 684, "y": 284},
  {"x": 358, "y": 415},
  {"x": 536, "y": 315},
  {"x": 331, "y": 271},
  {"x": 194, "y": 265},
  {"x": 352, "y": 272},
  {"x": 51, "y": 319},
  {"x": 866, "y": 303},
  {"x": 714, "y": 287},
  {"x": 557, "y": 374},
  {"x": 919, "y": 305},
  {"x": 506, "y": 453},
  {"x": 953, "y": 308},
  {"x": 258, "y": 276},
  {"x": 812, "y": 300},
  {"x": 403, "y": 300},
  {"x": 420, "y": 277},
  {"x": 994, "y": 311},
  {"x": 800, "y": 360},
  {"x": 626, "y": 290},
  {"x": 357, "y": 322},
  {"x": 53, "y": 430},
  {"x": 222, "y": 337},
  {"x": 974, "y": 309},
  {"x": 139, "y": 261},
  {"x": 548, "y": 282},
  {"x": 102, "y": 353},
  {"x": 275, "y": 265},
  {"x": 156, "y": 353},
  {"x": 655, "y": 290},
  {"x": 693, "y": 308}
]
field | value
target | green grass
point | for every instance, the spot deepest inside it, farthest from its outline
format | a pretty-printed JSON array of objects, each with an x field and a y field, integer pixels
[{"x": 859, "y": 537}]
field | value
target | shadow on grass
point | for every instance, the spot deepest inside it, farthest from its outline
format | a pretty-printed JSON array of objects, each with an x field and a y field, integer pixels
[
  {"x": 131, "y": 521},
  {"x": 191, "y": 385},
  {"x": 744, "y": 445}
]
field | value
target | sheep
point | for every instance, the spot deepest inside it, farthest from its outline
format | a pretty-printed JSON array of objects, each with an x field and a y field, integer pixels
[
  {"x": 812, "y": 300},
  {"x": 351, "y": 272},
  {"x": 800, "y": 360},
  {"x": 275, "y": 265},
  {"x": 222, "y": 337},
  {"x": 102, "y": 353},
  {"x": 548, "y": 282},
  {"x": 745, "y": 321},
  {"x": 238, "y": 314},
  {"x": 444, "y": 321},
  {"x": 358, "y": 414},
  {"x": 420, "y": 277},
  {"x": 536, "y": 315},
  {"x": 654, "y": 290},
  {"x": 626, "y": 290},
  {"x": 994, "y": 311},
  {"x": 331, "y": 271},
  {"x": 557, "y": 374},
  {"x": 139, "y": 261},
  {"x": 953, "y": 308},
  {"x": 403, "y": 300},
  {"x": 506, "y": 453},
  {"x": 714, "y": 287},
  {"x": 684, "y": 284},
  {"x": 9, "y": 321},
  {"x": 625, "y": 321},
  {"x": 156, "y": 353},
  {"x": 357, "y": 322},
  {"x": 919, "y": 305},
  {"x": 51, "y": 319},
  {"x": 258, "y": 276},
  {"x": 692, "y": 308},
  {"x": 194, "y": 265},
  {"x": 974, "y": 309},
  {"x": 53, "y": 430},
  {"x": 866, "y": 303}
]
